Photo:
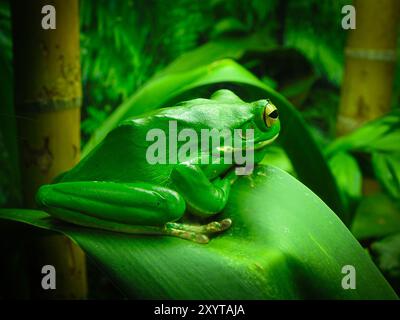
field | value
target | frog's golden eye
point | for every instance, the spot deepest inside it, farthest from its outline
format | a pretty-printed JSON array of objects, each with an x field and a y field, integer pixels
[{"x": 271, "y": 115}]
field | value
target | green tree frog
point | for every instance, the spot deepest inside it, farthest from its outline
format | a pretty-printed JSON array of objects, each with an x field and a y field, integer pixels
[{"x": 119, "y": 187}]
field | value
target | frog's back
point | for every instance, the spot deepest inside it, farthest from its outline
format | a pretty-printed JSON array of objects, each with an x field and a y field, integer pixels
[{"x": 121, "y": 156}]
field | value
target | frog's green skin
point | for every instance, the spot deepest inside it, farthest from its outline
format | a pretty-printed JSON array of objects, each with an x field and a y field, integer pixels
[{"x": 116, "y": 188}]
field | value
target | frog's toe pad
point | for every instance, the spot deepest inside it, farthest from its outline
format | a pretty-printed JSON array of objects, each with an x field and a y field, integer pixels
[
  {"x": 189, "y": 235},
  {"x": 202, "y": 238}
]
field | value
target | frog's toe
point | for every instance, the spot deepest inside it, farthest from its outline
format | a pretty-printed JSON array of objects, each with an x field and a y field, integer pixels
[
  {"x": 217, "y": 226},
  {"x": 196, "y": 233},
  {"x": 209, "y": 228},
  {"x": 188, "y": 235}
]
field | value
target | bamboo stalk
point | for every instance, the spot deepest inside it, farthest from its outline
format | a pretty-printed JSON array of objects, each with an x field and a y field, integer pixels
[
  {"x": 369, "y": 68},
  {"x": 47, "y": 103},
  {"x": 370, "y": 64}
]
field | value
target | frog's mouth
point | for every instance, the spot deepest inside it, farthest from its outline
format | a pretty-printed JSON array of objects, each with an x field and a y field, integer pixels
[
  {"x": 262, "y": 144},
  {"x": 257, "y": 145}
]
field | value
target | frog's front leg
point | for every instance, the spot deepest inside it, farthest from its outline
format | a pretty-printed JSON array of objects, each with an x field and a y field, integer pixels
[{"x": 203, "y": 197}]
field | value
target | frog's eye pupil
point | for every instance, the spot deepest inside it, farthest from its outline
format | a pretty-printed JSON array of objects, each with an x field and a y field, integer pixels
[{"x": 274, "y": 114}]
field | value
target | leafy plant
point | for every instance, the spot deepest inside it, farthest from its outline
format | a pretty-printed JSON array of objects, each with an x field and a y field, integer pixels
[
  {"x": 387, "y": 170},
  {"x": 379, "y": 138},
  {"x": 348, "y": 176},
  {"x": 377, "y": 217}
]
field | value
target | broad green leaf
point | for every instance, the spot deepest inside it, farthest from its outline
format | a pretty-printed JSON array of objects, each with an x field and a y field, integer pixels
[
  {"x": 348, "y": 176},
  {"x": 295, "y": 137},
  {"x": 285, "y": 243},
  {"x": 382, "y": 135},
  {"x": 277, "y": 157},
  {"x": 376, "y": 216},
  {"x": 387, "y": 171}
]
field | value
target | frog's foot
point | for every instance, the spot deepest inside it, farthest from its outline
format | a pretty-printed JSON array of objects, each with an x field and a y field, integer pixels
[{"x": 197, "y": 233}]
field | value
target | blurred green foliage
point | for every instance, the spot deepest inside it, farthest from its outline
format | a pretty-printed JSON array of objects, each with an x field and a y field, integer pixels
[
  {"x": 386, "y": 254},
  {"x": 9, "y": 187},
  {"x": 379, "y": 139},
  {"x": 5, "y": 32},
  {"x": 313, "y": 27},
  {"x": 123, "y": 44}
]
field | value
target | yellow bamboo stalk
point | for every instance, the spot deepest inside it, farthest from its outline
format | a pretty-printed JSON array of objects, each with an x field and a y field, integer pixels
[
  {"x": 370, "y": 68},
  {"x": 47, "y": 103},
  {"x": 370, "y": 64}
]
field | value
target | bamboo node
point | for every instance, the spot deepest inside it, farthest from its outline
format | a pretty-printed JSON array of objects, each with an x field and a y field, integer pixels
[
  {"x": 371, "y": 54},
  {"x": 349, "y": 124},
  {"x": 49, "y": 105}
]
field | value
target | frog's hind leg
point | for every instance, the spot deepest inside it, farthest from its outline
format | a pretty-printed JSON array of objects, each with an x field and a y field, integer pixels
[
  {"x": 135, "y": 208},
  {"x": 108, "y": 203}
]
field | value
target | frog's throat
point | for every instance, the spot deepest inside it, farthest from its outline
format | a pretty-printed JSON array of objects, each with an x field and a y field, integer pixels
[{"x": 257, "y": 146}]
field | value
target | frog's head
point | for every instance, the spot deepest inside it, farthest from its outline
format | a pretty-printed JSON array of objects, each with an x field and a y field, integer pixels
[{"x": 254, "y": 125}]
